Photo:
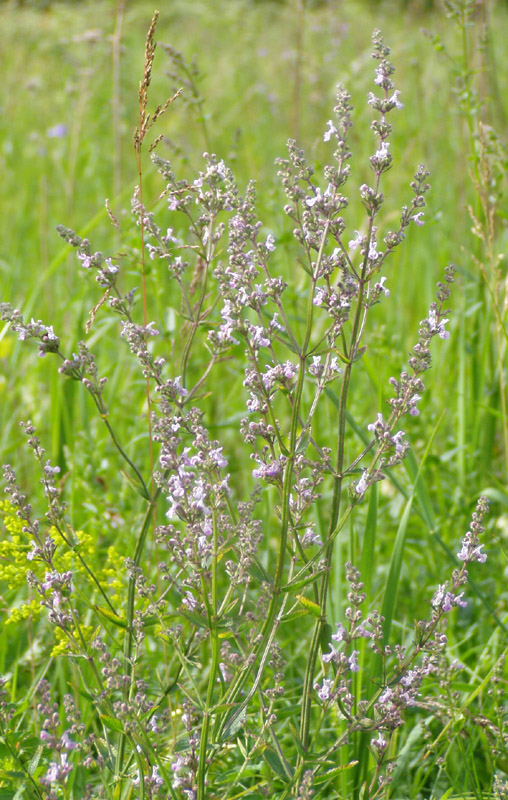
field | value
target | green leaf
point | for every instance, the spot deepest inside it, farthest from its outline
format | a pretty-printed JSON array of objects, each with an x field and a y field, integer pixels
[
  {"x": 293, "y": 585},
  {"x": 292, "y": 615},
  {"x": 108, "y": 614},
  {"x": 359, "y": 353},
  {"x": 273, "y": 760},
  {"x": 34, "y": 761},
  {"x": 111, "y": 723},
  {"x": 392, "y": 583},
  {"x": 222, "y": 707},
  {"x": 136, "y": 485},
  {"x": 257, "y": 572},
  {"x": 326, "y": 637},
  {"x": 196, "y": 619},
  {"x": 496, "y": 495},
  {"x": 296, "y": 739},
  {"x": 303, "y": 443},
  {"x": 326, "y": 776},
  {"x": 237, "y": 720},
  {"x": 20, "y": 794},
  {"x": 314, "y": 609}
]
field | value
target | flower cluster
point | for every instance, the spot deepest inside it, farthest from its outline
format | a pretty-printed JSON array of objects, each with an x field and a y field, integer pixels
[{"x": 48, "y": 340}]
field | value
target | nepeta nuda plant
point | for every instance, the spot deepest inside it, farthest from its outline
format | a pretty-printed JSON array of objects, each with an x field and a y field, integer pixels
[{"x": 194, "y": 687}]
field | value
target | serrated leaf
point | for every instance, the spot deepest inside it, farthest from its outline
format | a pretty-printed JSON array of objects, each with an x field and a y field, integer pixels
[
  {"x": 237, "y": 722},
  {"x": 34, "y": 761},
  {"x": 111, "y": 723},
  {"x": 273, "y": 760},
  {"x": 196, "y": 619},
  {"x": 303, "y": 443}
]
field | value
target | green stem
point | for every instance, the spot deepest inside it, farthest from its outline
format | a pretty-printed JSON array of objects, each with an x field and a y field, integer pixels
[
  {"x": 268, "y": 629},
  {"x": 214, "y": 637},
  {"x": 130, "y": 613},
  {"x": 335, "y": 508},
  {"x": 197, "y": 316}
]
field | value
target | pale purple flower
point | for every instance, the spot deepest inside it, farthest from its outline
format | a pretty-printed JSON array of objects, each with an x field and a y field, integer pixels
[
  {"x": 413, "y": 410},
  {"x": 253, "y": 403},
  {"x": 190, "y": 601},
  {"x": 177, "y": 384},
  {"x": 447, "y": 600},
  {"x": 331, "y": 656},
  {"x": 382, "y": 153},
  {"x": 53, "y": 773},
  {"x": 378, "y": 424},
  {"x": 67, "y": 742},
  {"x": 57, "y": 131},
  {"x": 270, "y": 470},
  {"x": 311, "y": 201},
  {"x": 331, "y": 130},
  {"x": 362, "y": 485},
  {"x": 155, "y": 777},
  {"x": 410, "y": 678},
  {"x": 380, "y": 286},
  {"x": 310, "y": 537},
  {"x": 353, "y": 662},
  {"x": 173, "y": 202},
  {"x": 258, "y": 337},
  {"x": 386, "y": 696},
  {"x": 357, "y": 241},
  {"x": 397, "y": 441},
  {"x": 270, "y": 243},
  {"x": 435, "y": 326},
  {"x": 218, "y": 459},
  {"x": 320, "y": 296},
  {"x": 341, "y": 634},
  {"x": 380, "y": 742},
  {"x": 418, "y": 218},
  {"x": 373, "y": 251},
  {"x": 324, "y": 691},
  {"x": 315, "y": 367},
  {"x": 394, "y": 100}
]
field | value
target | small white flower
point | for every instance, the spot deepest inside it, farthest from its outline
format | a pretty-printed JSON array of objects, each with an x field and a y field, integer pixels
[
  {"x": 356, "y": 242},
  {"x": 395, "y": 100},
  {"x": 383, "y": 151},
  {"x": 311, "y": 201},
  {"x": 331, "y": 130},
  {"x": 354, "y": 665},
  {"x": 270, "y": 243},
  {"x": 362, "y": 485},
  {"x": 380, "y": 286}
]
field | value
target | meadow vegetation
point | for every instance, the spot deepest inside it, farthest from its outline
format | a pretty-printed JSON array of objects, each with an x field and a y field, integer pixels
[{"x": 247, "y": 549}]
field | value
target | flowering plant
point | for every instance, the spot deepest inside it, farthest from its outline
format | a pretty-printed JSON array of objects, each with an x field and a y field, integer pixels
[{"x": 195, "y": 692}]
